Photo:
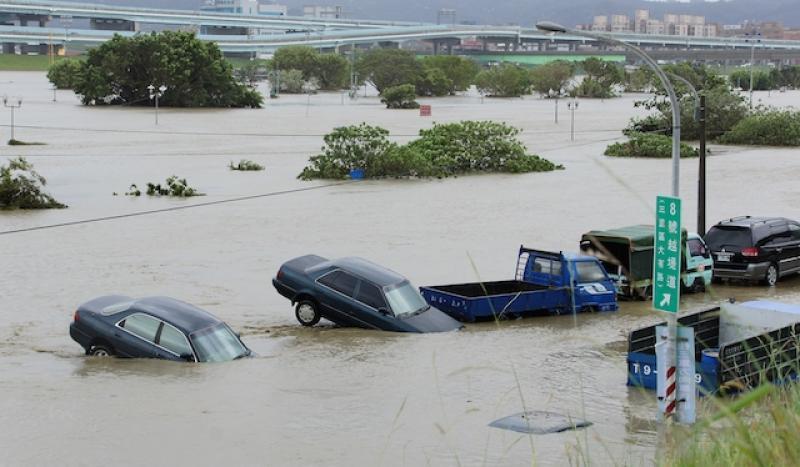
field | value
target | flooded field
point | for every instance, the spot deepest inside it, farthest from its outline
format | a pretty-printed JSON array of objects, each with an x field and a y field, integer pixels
[{"x": 330, "y": 396}]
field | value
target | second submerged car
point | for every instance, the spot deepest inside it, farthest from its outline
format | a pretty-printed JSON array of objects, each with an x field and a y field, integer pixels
[{"x": 356, "y": 292}]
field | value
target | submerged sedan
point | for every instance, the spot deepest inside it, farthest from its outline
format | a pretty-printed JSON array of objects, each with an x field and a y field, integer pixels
[
  {"x": 153, "y": 327},
  {"x": 355, "y": 292}
]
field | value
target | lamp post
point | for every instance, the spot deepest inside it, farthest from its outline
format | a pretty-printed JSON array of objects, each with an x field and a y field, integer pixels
[
  {"x": 572, "y": 106},
  {"x": 676, "y": 114},
  {"x": 54, "y": 88},
  {"x": 11, "y": 105},
  {"x": 672, "y": 320},
  {"x": 155, "y": 94},
  {"x": 554, "y": 95},
  {"x": 756, "y": 38}
]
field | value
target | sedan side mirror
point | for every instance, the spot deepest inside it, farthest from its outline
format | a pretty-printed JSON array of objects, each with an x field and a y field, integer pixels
[
  {"x": 188, "y": 357},
  {"x": 385, "y": 312}
]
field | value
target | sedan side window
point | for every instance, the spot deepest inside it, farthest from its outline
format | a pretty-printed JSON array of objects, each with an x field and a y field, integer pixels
[
  {"x": 340, "y": 281},
  {"x": 371, "y": 295},
  {"x": 174, "y": 341},
  {"x": 141, "y": 325}
]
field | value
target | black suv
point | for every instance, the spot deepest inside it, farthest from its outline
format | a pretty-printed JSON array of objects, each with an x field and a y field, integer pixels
[{"x": 755, "y": 248}]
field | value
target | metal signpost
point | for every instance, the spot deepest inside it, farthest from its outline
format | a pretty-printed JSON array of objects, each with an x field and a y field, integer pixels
[{"x": 666, "y": 297}]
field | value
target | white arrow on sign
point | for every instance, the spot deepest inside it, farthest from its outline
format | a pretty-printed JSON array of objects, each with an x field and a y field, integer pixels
[{"x": 666, "y": 300}]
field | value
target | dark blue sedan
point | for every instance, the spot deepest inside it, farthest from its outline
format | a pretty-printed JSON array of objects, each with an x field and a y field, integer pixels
[
  {"x": 355, "y": 292},
  {"x": 153, "y": 327}
]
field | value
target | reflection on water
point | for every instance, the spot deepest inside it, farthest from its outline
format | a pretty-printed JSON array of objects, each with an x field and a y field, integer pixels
[{"x": 328, "y": 395}]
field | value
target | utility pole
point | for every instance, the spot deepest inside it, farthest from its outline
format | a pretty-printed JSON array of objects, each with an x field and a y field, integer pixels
[
  {"x": 701, "y": 188},
  {"x": 12, "y": 106},
  {"x": 752, "y": 59}
]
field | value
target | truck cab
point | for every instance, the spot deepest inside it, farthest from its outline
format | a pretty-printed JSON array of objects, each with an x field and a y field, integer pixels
[{"x": 590, "y": 286}]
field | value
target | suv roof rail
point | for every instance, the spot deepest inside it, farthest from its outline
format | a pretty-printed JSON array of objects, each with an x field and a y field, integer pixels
[{"x": 739, "y": 218}]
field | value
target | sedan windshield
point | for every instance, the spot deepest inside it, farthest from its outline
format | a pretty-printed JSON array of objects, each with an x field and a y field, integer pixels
[
  {"x": 218, "y": 344},
  {"x": 404, "y": 299}
]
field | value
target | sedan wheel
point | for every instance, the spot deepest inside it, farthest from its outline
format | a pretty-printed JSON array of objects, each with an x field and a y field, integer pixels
[
  {"x": 771, "y": 277},
  {"x": 306, "y": 313},
  {"x": 101, "y": 351}
]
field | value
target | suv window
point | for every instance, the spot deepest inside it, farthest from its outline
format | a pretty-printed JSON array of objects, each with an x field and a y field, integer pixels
[
  {"x": 174, "y": 340},
  {"x": 143, "y": 326},
  {"x": 720, "y": 237},
  {"x": 340, "y": 281},
  {"x": 371, "y": 295}
]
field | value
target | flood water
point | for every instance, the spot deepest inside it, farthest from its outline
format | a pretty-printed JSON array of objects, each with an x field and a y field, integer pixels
[{"x": 326, "y": 395}]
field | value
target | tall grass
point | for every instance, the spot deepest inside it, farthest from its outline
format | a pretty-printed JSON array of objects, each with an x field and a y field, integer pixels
[{"x": 759, "y": 429}]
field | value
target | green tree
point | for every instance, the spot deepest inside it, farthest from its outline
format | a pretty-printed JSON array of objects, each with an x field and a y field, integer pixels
[
  {"x": 639, "y": 80},
  {"x": 460, "y": 71},
  {"x": 599, "y": 79},
  {"x": 504, "y": 80},
  {"x": 552, "y": 76},
  {"x": 649, "y": 146},
  {"x": 21, "y": 187},
  {"x": 195, "y": 73},
  {"x": 346, "y": 148},
  {"x": 64, "y": 74},
  {"x": 332, "y": 72},
  {"x": 297, "y": 57},
  {"x": 291, "y": 81},
  {"x": 433, "y": 82},
  {"x": 788, "y": 76},
  {"x": 766, "y": 128},
  {"x": 400, "y": 97},
  {"x": 762, "y": 80},
  {"x": 384, "y": 68}
]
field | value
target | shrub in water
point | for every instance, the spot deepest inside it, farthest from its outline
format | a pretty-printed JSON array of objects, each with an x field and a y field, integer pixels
[
  {"x": 400, "y": 97},
  {"x": 766, "y": 128},
  {"x": 245, "y": 165},
  {"x": 174, "y": 186},
  {"x": 441, "y": 151},
  {"x": 22, "y": 187},
  {"x": 648, "y": 145}
]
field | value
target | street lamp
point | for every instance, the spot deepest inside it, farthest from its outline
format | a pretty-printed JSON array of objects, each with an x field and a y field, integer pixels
[
  {"x": 11, "y": 105},
  {"x": 572, "y": 106},
  {"x": 554, "y": 95},
  {"x": 156, "y": 93},
  {"x": 672, "y": 321},
  {"x": 54, "y": 88},
  {"x": 753, "y": 41},
  {"x": 676, "y": 113}
]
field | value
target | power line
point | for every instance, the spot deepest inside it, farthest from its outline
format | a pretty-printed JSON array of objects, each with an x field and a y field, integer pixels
[{"x": 170, "y": 209}]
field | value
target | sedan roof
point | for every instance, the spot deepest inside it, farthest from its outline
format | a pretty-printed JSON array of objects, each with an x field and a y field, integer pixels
[
  {"x": 365, "y": 269},
  {"x": 188, "y": 318}
]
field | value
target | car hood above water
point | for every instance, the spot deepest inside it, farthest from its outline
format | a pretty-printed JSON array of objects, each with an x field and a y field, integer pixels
[{"x": 432, "y": 320}]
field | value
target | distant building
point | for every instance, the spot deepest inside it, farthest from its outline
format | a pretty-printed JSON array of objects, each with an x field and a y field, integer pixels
[
  {"x": 643, "y": 23},
  {"x": 326, "y": 12},
  {"x": 620, "y": 23},
  {"x": 600, "y": 23},
  {"x": 640, "y": 19}
]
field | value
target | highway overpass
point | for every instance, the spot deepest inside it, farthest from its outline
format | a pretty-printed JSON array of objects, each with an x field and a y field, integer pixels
[{"x": 264, "y": 34}]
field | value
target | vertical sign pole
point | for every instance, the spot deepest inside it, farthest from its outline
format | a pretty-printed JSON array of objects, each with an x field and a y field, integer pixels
[
  {"x": 666, "y": 287},
  {"x": 701, "y": 191}
]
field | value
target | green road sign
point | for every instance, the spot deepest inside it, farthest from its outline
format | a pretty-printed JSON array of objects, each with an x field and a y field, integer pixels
[{"x": 667, "y": 255}]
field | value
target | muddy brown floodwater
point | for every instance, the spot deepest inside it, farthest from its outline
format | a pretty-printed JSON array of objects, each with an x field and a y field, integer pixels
[{"x": 328, "y": 396}]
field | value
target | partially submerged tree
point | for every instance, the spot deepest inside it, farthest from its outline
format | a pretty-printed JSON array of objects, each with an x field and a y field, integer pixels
[
  {"x": 21, "y": 187},
  {"x": 384, "y": 68},
  {"x": 599, "y": 79},
  {"x": 329, "y": 70},
  {"x": 504, "y": 80},
  {"x": 459, "y": 71},
  {"x": 194, "y": 72},
  {"x": 65, "y": 73},
  {"x": 553, "y": 76},
  {"x": 400, "y": 97}
]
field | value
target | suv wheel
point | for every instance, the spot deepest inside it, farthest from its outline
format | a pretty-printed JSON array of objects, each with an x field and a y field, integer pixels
[
  {"x": 771, "y": 277},
  {"x": 307, "y": 313}
]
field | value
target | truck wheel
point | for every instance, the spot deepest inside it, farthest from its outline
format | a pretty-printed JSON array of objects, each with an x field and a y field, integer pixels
[
  {"x": 101, "y": 351},
  {"x": 307, "y": 313},
  {"x": 771, "y": 277}
]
